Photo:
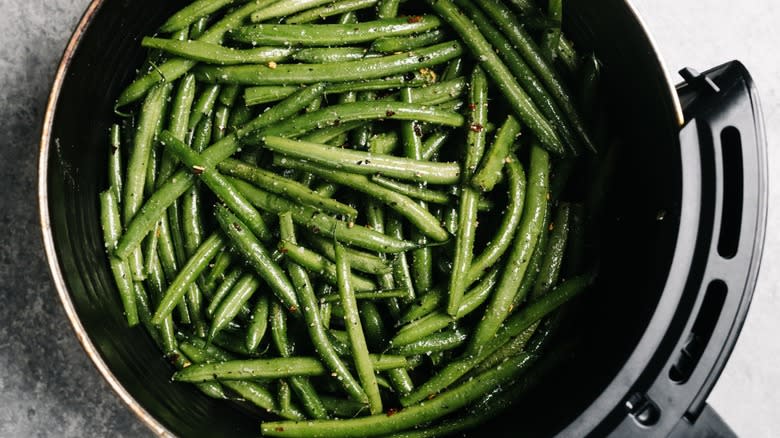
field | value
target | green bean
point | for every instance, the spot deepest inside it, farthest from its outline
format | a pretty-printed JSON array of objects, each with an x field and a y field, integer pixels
[
  {"x": 341, "y": 407},
  {"x": 400, "y": 380},
  {"x": 199, "y": 27},
  {"x": 335, "y": 8},
  {"x": 403, "y": 205},
  {"x": 442, "y": 341},
  {"x": 204, "y": 105},
  {"x": 489, "y": 172},
  {"x": 150, "y": 252},
  {"x": 320, "y": 265},
  {"x": 258, "y": 323},
  {"x": 391, "y": 44},
  {"x": 524, "y": 243},
  {"x": 503, "y": 239},
  {"x": 440, "y": 92},
  {"x": 324, "y": 55},
  {"x": 268, "y": 93},
  {"x": 503, "y": 78},
  {"x": 409, "y": 417},
  {"x": 534, "y": 265},
  {"x": 229, "y": 307},
  {"x": 358, "y": 260},
  {"x": 402, "y": 277},
  {"x": 112, "y": 227},
  {"x": 187, "y": 275},
  {"x": 514, "y": 31},
  {"x": 177, "y": 67},
  {"x": 434, "y": 143},
  {"x": 383, "y": 143},
  {"x": 318, "y": 35},
  {"x": 423, "y": 305},
  {"x": 554, "y": 255},
  {"x": 365, "y": 369},
  {"x": 274, "y": 368},
  {"x": 115, "y": 178},
  {"x": 525, "y": 76},
  {"x": 219, "y": 185},
  {"x": 217, "y": 270},
  {"x": 365, "y": 163},
  {"x": 280, "y": 9},
  {"x": 257, "y": 257},
  {"x": 467, "y": 212},
  {"x": 192, "y": 13},
  {"x": 321, "y": 223},
  {"x": 388, "y": 8},
  {"x": 368, "y": 295},
  {"x": 216, "y": 54},
  {"x": 373, "y": 324},
  {"x": 150, "y": 115},
  {"x": 368, "y": 68},
  {"x": 228, "y": 95},
  {"x": 239, "y": 115},
  {"x": 411, "y": 79},
  {"x": 220, "y": 123},
  {"x": 567, "y": 56},
  {"x": 314, "y": 323},
  {"x": 344, "y": 113},
  {"x": 551, "y": 38},
  {"x": 223, "y": 290},
  {"x": 288, "y": 188},
  {"x": 436, "y": 321}
]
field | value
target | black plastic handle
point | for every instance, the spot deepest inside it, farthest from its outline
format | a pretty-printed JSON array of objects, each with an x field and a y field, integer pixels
[{"x": 723, "y": 147}]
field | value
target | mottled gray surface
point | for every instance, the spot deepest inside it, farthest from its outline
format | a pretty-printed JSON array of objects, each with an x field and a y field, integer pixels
[{"x": 48, "y": 387}]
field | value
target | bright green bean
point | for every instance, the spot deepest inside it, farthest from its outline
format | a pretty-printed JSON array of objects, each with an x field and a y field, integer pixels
[
  {"x": 368, "y": 68},
  {"x": 191, "y": 13},
  {"x": 324, "y": 55},
  {"x": 282, "y": 8},
  {"x": 258, "y": 323},
  {"x": 442, "y": 341},
  {"x": 368, "y": 295},
  {"x": 223, "y": 290},
  {"x": 216, "y": 54},
  {"x": 229, "y": 307},
  {"x": 115, "y": 178},
  {"x": 335, "y": 8},
  {"x": 391, "y": 44},
  {"x": 112, "y": 227},
  {"x": 489, "y": 172}
]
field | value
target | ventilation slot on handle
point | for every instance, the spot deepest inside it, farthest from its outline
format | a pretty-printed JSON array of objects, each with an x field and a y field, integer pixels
[{"x": 731, "y": 218}]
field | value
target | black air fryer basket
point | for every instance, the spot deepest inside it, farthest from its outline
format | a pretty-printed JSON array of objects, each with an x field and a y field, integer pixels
[{"x": 683, "y": 230}]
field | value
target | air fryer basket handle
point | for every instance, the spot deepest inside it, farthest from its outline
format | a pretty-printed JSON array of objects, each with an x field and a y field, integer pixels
[{"x": 723, "y": 148}]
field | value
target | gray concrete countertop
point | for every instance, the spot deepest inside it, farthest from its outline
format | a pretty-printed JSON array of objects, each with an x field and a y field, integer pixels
[{"x": 48, "y": 387}]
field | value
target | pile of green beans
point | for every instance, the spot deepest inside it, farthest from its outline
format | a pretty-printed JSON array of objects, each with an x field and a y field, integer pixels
[{"x": 355, "y": 214}]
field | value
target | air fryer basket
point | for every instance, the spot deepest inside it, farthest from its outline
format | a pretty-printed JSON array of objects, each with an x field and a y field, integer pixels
[{"x": 663, "y": 244}]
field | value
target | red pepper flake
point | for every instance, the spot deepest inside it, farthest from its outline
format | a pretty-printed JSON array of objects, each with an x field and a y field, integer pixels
[
  {"x": 431, "y": 396},
  {"x": 293, "y": 309},
  {"x": 279, "y": 429},
  {"x": 414, "y": 19},
  {"x": 392, "y": 411},
  {"x": 114, "y": 149},
  {"x": 283, "y": 250},
  {"x": 472, "y": 107},
  {"x": 389, "y": 113},
  {"x": 476, "y": 127},
  {"x": 237, "y": 227}
]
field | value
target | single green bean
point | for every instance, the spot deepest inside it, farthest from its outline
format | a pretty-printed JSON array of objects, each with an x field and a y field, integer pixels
[
  {"x": 223, "y": 290},
  {"x": 368, "y": 68},
  {"x": 391, "y": 44},
  {"x": 442, "y": 341},
  {"x": 189, "y": 272},
  {"x": 524, "y": 243},
  {"x": 434, "y": 143},
  {"x": 489, "y": 172},
  {"x": 388, "y": 8},
  {"x": 319, "y": 35},
  {"x": 365, "y": 163},
  {"x": 115, "y": 178},
  {"x": 258, "y": 323},
  {"x": 423, "y": 305},
  {"x": 365, "y": 369},
  {"x": 280, "y": 9},
  {"x": 216, "y": 54},
  {"x": 229, "y": 307},
  {"x": 469, "y": 199},
  {"x": 191, "y": 13},
  {"x": 220, "y": 123},
  {"x": 266, "y": 94},
  {"x": 112, "y": 227},
  {"x": 257, "y": 257},
  {"x": 555, "y": 252},
  {"x": 335, "y": 8},
  {"x": 534, "y": 265},
  {"x": 204, "y": 105},
  {"x": 504, "y": 80},
  {"x": 368, "y": 295},
  {"x": 324, "y": 55},
  {"x": 342, "y": 407}
]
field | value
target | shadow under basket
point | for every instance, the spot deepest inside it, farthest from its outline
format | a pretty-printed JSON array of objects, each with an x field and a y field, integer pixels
[{"x": 682, "y": 235}]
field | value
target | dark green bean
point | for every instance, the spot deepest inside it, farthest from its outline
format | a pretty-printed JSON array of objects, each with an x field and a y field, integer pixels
[
  {"x": 415, "y": 192},
  {"x": 358, "y": 260},
  {"x": 359, "y": 348},
  {"x": 555, "y": 252},
  {"x": 335, "y": 8},
  {"x": 434, "y": 143},
  {"x": 266, "y": 94},
  {"x": 324, "y": 55},
  {"x": 115, "y": 178},
  {"x": 368, "y": 68},
  {"x": 191, "y": 13},
  {"x": 280, "y": 9},
  {"x": 442, "y": 341},
  {"x": 534, "y": 264},
  {"x": 391, "y": 44},
  {"x": 203, "y": 105},
  {"x": 112, "y": 227},
  {"x": 318, "y": 35},
  {"x": 388, "y": 8},
  {"x": 423, "y": 305},
  {"x": 321, "y": 266},
  {"x": 216, "y": 54},
  {"x": 489, "y": 172},
  {"x": 223, "y": 290},
  {"x": 381, "y": 294},
  {"x": 229, "y": 307}
]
